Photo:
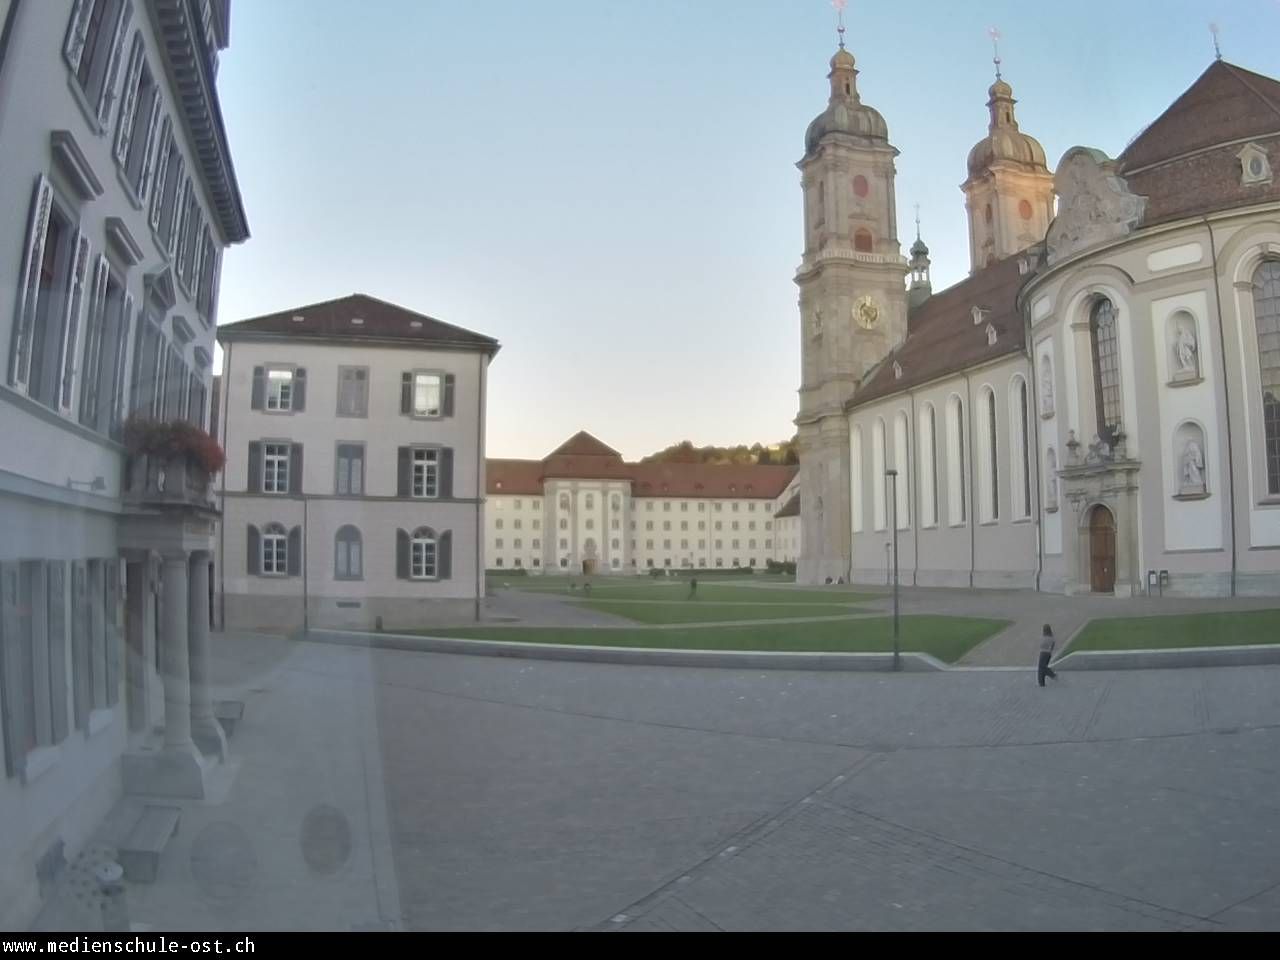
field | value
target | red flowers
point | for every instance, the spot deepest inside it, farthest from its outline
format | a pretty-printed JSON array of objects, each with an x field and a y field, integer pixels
[{"x": 173, "y": 440}]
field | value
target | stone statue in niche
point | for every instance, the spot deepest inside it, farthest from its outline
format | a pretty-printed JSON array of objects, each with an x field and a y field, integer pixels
[
  {"x": 1186, "y": 350},
  {"x": 1192, "y": 469},
  {"x": 1046, "y": 387},
  {"x": 1073, "y": 449},
  {"x": 816, "y": 327}
]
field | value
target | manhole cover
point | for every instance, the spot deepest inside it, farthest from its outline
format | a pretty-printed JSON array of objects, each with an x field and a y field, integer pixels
[{"x": 326, "y": 839}]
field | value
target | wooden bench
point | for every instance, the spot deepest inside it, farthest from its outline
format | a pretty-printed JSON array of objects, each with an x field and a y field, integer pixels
[{"x": 140, "y": 853}]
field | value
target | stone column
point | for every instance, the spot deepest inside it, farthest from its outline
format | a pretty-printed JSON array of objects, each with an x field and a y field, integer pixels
[
  {"x": 139, "y": 602},
  {"x": 175, "y": 654},
  {"x": 205, "y": 729}
]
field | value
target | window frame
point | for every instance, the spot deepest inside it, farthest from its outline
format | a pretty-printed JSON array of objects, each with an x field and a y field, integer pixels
[
  {"x": 286, "y": 459},
  {"x": 427, "y": 465},
  {"x": 343, "y": 544},
  {"x": 274, "y": 532},
  {"x": 362, "y": 406}
]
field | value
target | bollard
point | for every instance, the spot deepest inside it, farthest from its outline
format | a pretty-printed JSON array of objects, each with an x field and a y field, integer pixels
[{"x": 115, "y": 907}]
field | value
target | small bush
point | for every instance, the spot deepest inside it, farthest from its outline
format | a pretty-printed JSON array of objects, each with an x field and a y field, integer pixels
[
  {"x": 781, "y": 566},
  {"x": 507, "y": 572}
]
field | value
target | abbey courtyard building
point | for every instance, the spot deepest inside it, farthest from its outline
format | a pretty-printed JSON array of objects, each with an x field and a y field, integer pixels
[{"x": 1096, "y": 408}]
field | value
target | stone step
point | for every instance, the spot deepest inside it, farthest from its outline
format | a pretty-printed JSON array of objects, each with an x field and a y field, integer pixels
[{"x": 140, "y": 853}]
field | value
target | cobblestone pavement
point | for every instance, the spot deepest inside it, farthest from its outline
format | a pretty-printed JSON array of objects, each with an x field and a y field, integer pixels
[{"x": 531, "y": 795}]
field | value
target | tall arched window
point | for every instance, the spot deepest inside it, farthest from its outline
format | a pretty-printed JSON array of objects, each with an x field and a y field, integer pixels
[
  {"x": 901, "y": 450},
  {"x": 862, "y": 241},
  {"x": 991, "y": 461},
  {"x": 1020, "y": 440},
  {"x": 928, "y": 466},
  {"x": 855, "y": 478},
  {"x": 1106, "y": 368},
  {"x": 878, "y": 460},
  {"x": 957, "y": 508},
  {"x": 1266, "y": 309},
  {"x": 348, "y": 554}
]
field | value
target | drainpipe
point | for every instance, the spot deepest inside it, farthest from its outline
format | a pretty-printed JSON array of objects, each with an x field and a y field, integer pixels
[
  {"x": 480, "y": 490},
  {"x": 223, "y": 394},
  {"x": 1226, "y": 400},
  {"x": 1034, "y": 400},
  {"x": 969, "y": 448},
  {"x": 306, "y": 565},
  {"x": 912, "y": 439}
]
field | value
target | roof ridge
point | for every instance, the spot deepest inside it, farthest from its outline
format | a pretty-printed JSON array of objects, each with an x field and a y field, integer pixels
[{"x": 1240, "y": 74}]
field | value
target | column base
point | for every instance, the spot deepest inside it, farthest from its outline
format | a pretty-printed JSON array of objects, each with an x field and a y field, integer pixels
[
  {"x": 209, "y": 738},
  {"x": 179, "y": 772}
]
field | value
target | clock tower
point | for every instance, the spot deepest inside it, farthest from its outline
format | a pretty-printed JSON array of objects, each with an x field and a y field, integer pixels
[{"x": 853, "y": 302}]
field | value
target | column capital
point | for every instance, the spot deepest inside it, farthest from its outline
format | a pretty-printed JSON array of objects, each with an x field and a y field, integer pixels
[{"x": 172, "y": 555}]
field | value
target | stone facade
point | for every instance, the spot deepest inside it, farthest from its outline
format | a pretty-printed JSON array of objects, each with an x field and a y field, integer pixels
[
  {"x": 1097, "y": 408},
  {"x": 118, "y": 200}
]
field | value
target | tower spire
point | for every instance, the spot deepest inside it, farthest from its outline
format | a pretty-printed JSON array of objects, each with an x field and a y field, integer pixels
[
  {"x": 840, "y": 8},
  {"x": 994, "y": 34},
  {"x": 917, "y": 221}
]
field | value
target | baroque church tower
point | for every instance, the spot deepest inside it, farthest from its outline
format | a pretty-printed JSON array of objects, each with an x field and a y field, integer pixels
[
  {"x": 853, "y": 301},
  {"x": 1009, "y": 192}
]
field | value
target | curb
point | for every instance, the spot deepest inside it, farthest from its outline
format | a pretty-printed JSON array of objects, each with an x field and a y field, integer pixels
[
  {"x": 723, "y": 659},
  {"x": 1246, "y": 656}
]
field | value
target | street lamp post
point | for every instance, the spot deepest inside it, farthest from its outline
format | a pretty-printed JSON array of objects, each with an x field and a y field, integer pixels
[{"x": 893, "y": 481}]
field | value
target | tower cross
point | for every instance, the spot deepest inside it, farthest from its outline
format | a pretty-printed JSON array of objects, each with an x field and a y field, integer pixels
[
  {"x": 994, "y": 34},
  {"x": 1216, "y": 31},
  {"x": 840, "y": 6}
]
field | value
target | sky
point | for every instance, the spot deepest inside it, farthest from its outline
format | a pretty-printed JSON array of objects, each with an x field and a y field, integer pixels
[{"x": 609, "y": 188}]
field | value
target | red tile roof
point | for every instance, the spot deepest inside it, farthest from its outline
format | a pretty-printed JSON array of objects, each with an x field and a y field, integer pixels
[
  {"x": 942, "y": 337},
  {"x": 1186, "y": 163},
  {"x": 378, "y": 320},
  {"x": 587, "y": 459},
  {"x": 1226, "y": 103}
]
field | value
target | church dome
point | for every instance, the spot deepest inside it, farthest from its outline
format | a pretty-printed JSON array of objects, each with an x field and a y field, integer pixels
[
  {"x": 919, "y": 248},
  {"x": 845, "y": 113},
  {"x": 1005, "y": 145},
  {"x": 1004, "y": 142}
]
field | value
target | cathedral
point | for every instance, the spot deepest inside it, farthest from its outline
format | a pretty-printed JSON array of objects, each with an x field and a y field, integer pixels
[{"x": 1096, "y": 407}]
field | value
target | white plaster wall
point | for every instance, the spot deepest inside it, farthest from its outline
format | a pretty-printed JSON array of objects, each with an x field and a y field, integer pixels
[{"x": 1195, "y": 524}]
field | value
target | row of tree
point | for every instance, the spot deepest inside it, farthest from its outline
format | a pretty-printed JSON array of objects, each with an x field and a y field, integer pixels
[{"x": 757, "y": 453}]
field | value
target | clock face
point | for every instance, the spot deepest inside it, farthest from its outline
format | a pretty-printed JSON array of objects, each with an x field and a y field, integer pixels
[{"x": 866, "y": 312}]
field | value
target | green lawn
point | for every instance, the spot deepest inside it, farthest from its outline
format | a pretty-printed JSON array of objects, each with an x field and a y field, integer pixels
[
  {"x": 699, "y": 611},
  {"x": 1188, "y": 630},
  {"x": 639, "y": 588},
  {"x": 947, "y": 638}
]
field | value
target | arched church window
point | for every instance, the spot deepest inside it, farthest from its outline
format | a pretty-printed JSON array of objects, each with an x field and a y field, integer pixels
[
  {"x": 957, "y": 499},
  {"x": 991, "y": 496},
  {"x": 1106, "y": 368},
  {"x": 862, "y": 241},
  {"x": 855, "y": 477},
  {"x": 1266, "y": 311},
  {"x": 879, "y": 458}
]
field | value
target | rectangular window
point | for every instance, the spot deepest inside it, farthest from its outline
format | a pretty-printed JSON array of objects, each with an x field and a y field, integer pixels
[
  {"x": 101, "y": 347},
  {"x": 517, "y": 523},
  {"x": 497, "y": 524},
  {"x": 426, "y": 395},
  {"x": 666, "y": 506},
  {"x": 719, "y": 507},
  {"x": 138, "y": 122},
  {"x": 702, "y": 507},
  {"x": 518, "y": 544},
  {"x": 422, "y": 559},
  {"x": 279, "y": 390},
  {"x": 615, "y": 524},
  {"x": 353, "y": 391},
  {"x": 498, "y": 543},
  {"x": 92, "y": 49},
  {"x": 350, "y": 479},
  {"x": 426, "y": 473},
  {"x": 537, "y": 524},
  {"x": 515, "y": 504},
  {"x": 564, "y": 524},
  {"x": 275, "y": 468},
  {"x": 564, "y": 544},
  {"x": 666, "y": 524},
  {"x": 684, "y": 507},
  {"x": 735, "y": 506},
  {"x": 537, "y": 544}
]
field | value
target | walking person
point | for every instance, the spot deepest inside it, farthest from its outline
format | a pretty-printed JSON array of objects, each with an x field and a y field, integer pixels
[{"x": 1046, "y": 654}]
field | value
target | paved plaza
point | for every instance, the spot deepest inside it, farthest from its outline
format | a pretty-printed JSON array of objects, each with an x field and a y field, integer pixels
[{"x": 477, "y": 793}]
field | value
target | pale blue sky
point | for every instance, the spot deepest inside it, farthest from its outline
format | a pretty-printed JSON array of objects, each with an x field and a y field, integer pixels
[{"x": 609, "y": 188}]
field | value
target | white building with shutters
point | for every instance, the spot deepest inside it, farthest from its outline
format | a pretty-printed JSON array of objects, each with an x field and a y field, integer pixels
[
  {"x": 117, "y": 199},
  {"x": 353, "y": 493}
]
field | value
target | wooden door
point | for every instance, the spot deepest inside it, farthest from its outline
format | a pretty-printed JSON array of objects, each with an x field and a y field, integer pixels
[{"x": 1102, "y": 551}]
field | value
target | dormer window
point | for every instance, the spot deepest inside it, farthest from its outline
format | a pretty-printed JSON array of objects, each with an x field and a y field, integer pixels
[
  {"x": 991, "y": 335},
  {"x": 357, "y": 322},
  {"x": 979, "y": 315},
  {"x": 1255, "y": 165},
  {"x": 897, "y": 370}
]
